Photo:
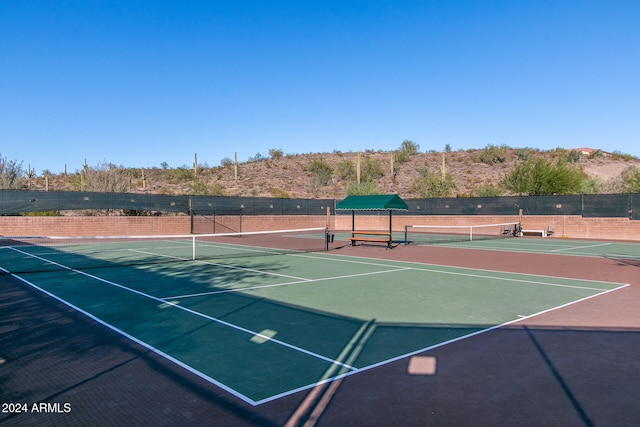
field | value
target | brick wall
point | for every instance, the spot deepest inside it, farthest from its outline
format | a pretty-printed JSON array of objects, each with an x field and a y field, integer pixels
[
  {"x": 92, "y": 225},
  {"x": 566, "y": 226},
  {"x": 140, "y": 225},
  {"x": 267, "y": 222},
  {"x": 586, "y": 228}
]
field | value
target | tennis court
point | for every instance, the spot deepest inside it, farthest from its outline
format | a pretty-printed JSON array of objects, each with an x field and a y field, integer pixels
[
  {"x": 268, "y": 317},
  {"x": 550, "y": 245}
]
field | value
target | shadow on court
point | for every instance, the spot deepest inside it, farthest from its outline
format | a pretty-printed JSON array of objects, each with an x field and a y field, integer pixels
[
  {"x": 509, "y": 376},
  {"x": 576, "y": 366}
]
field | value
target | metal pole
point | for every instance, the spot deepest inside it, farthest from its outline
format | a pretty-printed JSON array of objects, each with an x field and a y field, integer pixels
[
  {"x": 353, "y": 222},
  {"x": 326, "y": 239},
  {"x": 190, "y": 211}
]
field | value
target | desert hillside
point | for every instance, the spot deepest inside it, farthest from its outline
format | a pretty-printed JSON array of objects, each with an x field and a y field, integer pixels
[{"x": 328, "y": 175}]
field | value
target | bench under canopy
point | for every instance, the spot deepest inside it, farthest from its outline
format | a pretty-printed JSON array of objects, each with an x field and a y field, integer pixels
[{"x": 376, "y": 202}]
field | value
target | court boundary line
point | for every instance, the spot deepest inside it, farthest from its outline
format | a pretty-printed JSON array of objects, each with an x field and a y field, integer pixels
[
  {"x": 299, "y": 280},
  {"x": 351, "y": 369},
  {"x": 132, "y": 338},
  {"x": 396, "y": 268},
  {"x": 190, "y": 311},
  {"x": 460, "y": 268},
  {"x": 274, "y": 285},
  {"x": 520, "y": 319},
  {"x": 326, "y": 279},
  {"x": 582, "y": 247},
  {"x": 531, "y": 251},
  {"x": 441, "y": 344},
  {"x": 177, "y": 306},
  {"x": 230, "y": 266}
]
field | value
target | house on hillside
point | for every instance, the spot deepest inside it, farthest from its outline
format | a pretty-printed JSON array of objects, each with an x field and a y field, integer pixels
[{"x": 591, "y": 152}]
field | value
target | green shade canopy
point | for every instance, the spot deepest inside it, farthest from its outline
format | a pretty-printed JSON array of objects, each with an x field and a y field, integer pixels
[{"x": 377, "y": 202}]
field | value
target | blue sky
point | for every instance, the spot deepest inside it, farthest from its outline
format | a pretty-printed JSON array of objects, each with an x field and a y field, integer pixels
[{"x": 139, "y": 82}]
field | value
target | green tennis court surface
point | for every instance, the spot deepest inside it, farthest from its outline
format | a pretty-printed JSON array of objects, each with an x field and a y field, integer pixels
[
  {"x": 555, "y": 246},
  {"x": 266, "y": 326}
]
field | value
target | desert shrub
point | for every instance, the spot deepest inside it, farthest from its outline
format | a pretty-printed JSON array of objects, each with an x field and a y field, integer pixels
[
  {"x": 275, "y": 153},
  {"x": 618, "y": 155},
  {"x": 279, "y": 193},
  {"x": 523, "y": 154},
  {"x": 493, "y": 154},
  {"x": 540, "y": 177},
  {"x": 631, "y": 179},
  {"x": 256, "y": 158},
  {"x": 371, "y": 169},
  {"x": 409, "y": 147},
  {"x": 488, "y": 191},
  {"x": 345, "y": 170},
  {"x": 362, "y": 189},
  {"x": 321, "y": 172},
  {"x": 406, "y": 150},
  {"x": 593, "y": 186},
  {"x": 430, "y": 184},
  {"x": 44, "y": 213},
  {"x": 136, "y": 212},
  {"x": 178, "y": 175},
  {"x": 573, "y": 156},
  {"x": 201, "y": 188}
]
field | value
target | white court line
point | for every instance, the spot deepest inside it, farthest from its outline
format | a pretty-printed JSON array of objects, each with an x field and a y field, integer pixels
[
  {"x": 538, "y": 248},
  {"x": 397, "y": 269},
  {"x": 547, "y": 251},
  {"x": 165, "y": 301},
  {"x": 441, "y": 344},
  {"x": 353, "y": 370},
  {"x": 350, "y": 260},
  {"x": 179, "y": 307},
  {"x": 232, "y": 267},
  {"x": 508, "y": 279},
  {"x": 138, "y": 341},
  {"x": 392, "y": 263},
  {"x": 252, "y": 288},
  {"x": 581, "y": 247}
]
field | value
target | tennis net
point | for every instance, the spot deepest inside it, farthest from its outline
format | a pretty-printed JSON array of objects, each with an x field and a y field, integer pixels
[
  {"x": 432, "y": 234},
  {"x": 43, "y": 254}
]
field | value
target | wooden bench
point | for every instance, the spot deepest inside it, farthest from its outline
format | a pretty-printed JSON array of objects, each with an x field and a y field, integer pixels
[
  {"x": 542, "y": 233},
  {"x": 367, "y": 236}
]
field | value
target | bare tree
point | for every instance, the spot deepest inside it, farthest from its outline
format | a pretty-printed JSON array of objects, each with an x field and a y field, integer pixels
[
  {"x": 11, "y": 174},
  {"x": 106, "y": 177}
]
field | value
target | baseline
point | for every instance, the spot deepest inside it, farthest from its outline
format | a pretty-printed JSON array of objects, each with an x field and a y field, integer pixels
[{"x": 170, "y": 304}]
